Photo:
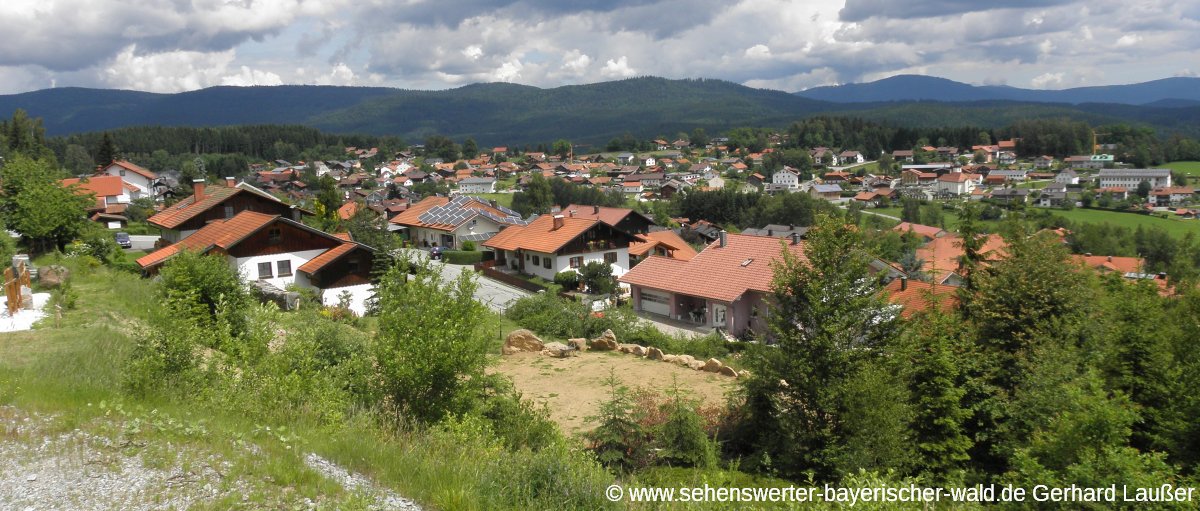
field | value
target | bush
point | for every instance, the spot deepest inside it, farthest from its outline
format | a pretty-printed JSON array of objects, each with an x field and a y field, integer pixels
[
  {"x": 468, "y": 246},
  {"x": 462, "y": 257},
  {"x": 568, "y": 279}
]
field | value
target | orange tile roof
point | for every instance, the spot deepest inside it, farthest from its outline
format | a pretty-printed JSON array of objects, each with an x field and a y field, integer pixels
[
  {"x": 719, "y": 273},
  {"x": 141, "y": 171},
  {"x": 610, "y": 216},
  {"x": 347, "y": 210},
  {"x": 920, "y": 296},
  {"x": 219, "y": 234},
  {"x": 540, "y": 235},
  {"x": 1111, "y": 263},
  {"x": 412, "y": 216},
  {"x": 315, "y": 264},
  {"x": 670, "y": 240},
  {"x": 942, "y": 255},
  {"x": 188, "y": 208},
  {"x": 102, "y": 186},
  {"x": 923, "y": 230}
]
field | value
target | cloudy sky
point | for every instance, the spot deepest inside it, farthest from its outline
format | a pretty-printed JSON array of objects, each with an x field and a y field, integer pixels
[{"x": 177, "y": 45}]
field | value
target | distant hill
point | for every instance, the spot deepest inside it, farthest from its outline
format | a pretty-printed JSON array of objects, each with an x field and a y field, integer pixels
[
  {"x": 502, "y": 114},
  {"x": 917, "y": 88}
]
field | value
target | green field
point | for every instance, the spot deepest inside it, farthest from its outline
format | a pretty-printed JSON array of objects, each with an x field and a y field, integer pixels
[
  {"x": 1173, "y": 225},
  {"x": 1191, "y": 168},
  {"x": 503, "y": 199}
]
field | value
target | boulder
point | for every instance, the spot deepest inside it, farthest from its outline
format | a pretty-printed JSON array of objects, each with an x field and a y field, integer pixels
[
  {"x": 686, "y": 360},
  {"x": 654, "y": 354},
  {"x": 625, "y": 348},
  {"x": 579, "y": 344},
  {"x": 639, "y": 350},
  {"x": 521, "y": 341},
  {"x": 696, "y": 365},
  {"x": 728, "y": 371},
  {"x": 712, "y": 365},
  {"x": 602, "y": 344},
  {"x": 559, "y": 350},
  {"x": 53, "y": 275},
  {"x": 669, "y": 358}
]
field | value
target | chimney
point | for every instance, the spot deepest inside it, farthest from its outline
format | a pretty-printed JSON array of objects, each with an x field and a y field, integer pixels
[
  {"x": 723, "y": 237},
  {"x": 770, "y": 233},
  {"x": 572, "y": 213},
  {"x": 1110, "y": 259},
  {"x": 558, "y": 222},
  {"x": 596, "y": 210},
  {"x": 198, "y": 188},
  {"x": 795, "y": 238},
  {"x": 903, "y": 283},
  {"x": 230, "y": 182}
]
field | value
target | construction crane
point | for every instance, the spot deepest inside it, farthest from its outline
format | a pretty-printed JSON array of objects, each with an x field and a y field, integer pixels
[{"x": 1094, "y": 134}]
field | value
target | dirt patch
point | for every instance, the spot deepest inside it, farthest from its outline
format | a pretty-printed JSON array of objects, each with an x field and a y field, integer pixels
[{"x": 573, "y": 387}]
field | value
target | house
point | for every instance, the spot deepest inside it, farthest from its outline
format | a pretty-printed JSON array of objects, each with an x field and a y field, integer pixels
[
  {"x": 1067, "y": 177},
  {"x": 279, "y": 252},
  {"x": 727, "y": 285},
  {"x": 1107, "y": 264},
  {"x": 472, "y": 185},
  {"x": 217, "y": 202},
  {"x": 785, "y": 179},
  {"x": 758, "y": 180},
  {"x": 868, "y": 199},
  {"x": 145, "y": 181},
  {"x": 902, "y": 155},
  {"x": 946, "y": 153},
  {"x": 1171, "y": 196},
  {"x": 1053, "y": 196},
  {"x": 929, "y": 233},
  {"x": 1131, "y": 178},
  {"x": 1012, "y": 176},
  {"x": 443, "y": 222},
  {"x": 851, "y": 157},
  {"x": 1011, "y": 195},
  {"x": 648, "y": 179},
  {"x": 824, "y": 156},
  {"x": 554, "y": 243},
  {"x": 1089, "y": 161},
  {"x": 347, "y": 211},
  {"x": 1043, "y": 162},
  {"x": 625, "y": 158},
  {"x": 670, "y": 188},
  {"x": 634, "y": 188},
  {"x": 955, "y": 184},
  {"x": 828, "y": 192},
  {"x": 914, "y": 296},
  {"x": 112, "y": 194},
  {"x": 664, "y": 243},
  {"x": 943, "y": 256},
  {"x": 1006, "y": 157},
  {"x": 836, "y": 178},
  {"x": 1116, "y": 192},
  {"x": 624, "y": 219}
]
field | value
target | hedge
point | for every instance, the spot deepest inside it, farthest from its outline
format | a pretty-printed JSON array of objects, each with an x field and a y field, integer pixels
[{"x": 462, "y": 256}]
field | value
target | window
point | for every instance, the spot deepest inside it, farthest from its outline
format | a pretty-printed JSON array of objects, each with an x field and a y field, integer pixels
[
  {"x": 228, "y": 211},
  {"x": 352, "y": 265},
  {"x": 537, "y": 260},
  {"x": 274, "y": 235},
  {"x": 264, "y": 271},
  {"x": 546, "y": 263},
  {"x": 284, "y": 268},
  {"x": 122, "y": 172},
  {"x": 610, "y": 257},
  {"x": 576, "y": 261}
]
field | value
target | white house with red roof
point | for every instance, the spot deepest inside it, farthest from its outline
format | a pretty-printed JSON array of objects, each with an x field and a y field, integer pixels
[
  {"x": 727, "y": 285},
  {"x": 278, "y": 252},
  {"x": 554, "y": 243},
  {"x": 143, "y": 179},
  {"x": 956, "y": 183},
  {"x": 444, "y": 222}
]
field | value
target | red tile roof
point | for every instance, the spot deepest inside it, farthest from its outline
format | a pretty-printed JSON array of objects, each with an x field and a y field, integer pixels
[
  {"x": 1111, "y": 263},
  {"x": 540, "y": 235},
  {"x": 920, "y": 296},
  {"x": 347, "y": 210},
  {"x": 954, "y": 177},
  {"x": 102, "y": 186},
  {"x": 668, "y": 239},
  {"x": 189, "y": 208},
  {"x": 719, "y": 273},
  {"x": 943, "y": 255},
  {"x": 610, "y": 216},
  {"x": 141, "y": 171},
  {"x": 325, "y": 258},
  {"x": 923, "y": 230},
  {"x": 218, "y": 234}
]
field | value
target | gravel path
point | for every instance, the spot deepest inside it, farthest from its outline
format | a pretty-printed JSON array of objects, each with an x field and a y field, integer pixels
[{"x": 384, "y": 499}]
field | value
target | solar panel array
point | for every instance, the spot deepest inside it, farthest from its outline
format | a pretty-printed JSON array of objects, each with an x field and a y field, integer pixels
[{"x": 457, "y": 211}]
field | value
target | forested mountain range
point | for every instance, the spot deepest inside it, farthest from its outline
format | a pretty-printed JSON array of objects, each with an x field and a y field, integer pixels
[
  {"x": 1168, "y": 91},
  {"x": 500, "y": 114}
]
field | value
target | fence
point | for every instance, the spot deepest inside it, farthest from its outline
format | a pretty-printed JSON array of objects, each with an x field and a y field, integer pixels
[{"x": 511, "y": 280}]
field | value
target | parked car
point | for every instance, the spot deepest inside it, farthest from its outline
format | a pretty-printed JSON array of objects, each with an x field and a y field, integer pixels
[
  {"x": 435, "y": 253},
  {"x": 123, "y": 240}
]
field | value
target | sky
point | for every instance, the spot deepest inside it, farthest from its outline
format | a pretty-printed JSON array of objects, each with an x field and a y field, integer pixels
[{"x": 790, "y": 45}]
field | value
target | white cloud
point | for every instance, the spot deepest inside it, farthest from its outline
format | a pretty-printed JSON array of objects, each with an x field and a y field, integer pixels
[
  {"x": 1047, "y": 81},
  {"x": 180, "y": 71},
  {"x": 618, "y": 68},
  {"x": 1128, "y": 40},
  {"x": 473, "y": 52},
  {"x": 758, "y": 51},
  {"x": 509, "y": 71},
  {"x": 576, "y": 62}
]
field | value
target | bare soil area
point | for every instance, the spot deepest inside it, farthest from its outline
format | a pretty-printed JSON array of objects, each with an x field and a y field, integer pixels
[{"x": 573, "y": 387}]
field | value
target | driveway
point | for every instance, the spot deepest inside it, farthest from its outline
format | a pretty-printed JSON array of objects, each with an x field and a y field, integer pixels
[{"x": 492, "y": 293}]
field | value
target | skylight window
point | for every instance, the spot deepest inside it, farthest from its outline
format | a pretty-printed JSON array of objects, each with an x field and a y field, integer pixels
[{"x": 747, "y": 262}]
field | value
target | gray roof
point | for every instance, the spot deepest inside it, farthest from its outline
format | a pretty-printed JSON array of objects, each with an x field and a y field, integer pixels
[
  {"x": 827, "y": 188},
  {"x": 456, "y": 212},
  {"x": 777, "y": 230},
  {"x": 483, "y": 236},
  {"x": 477, "y": 181},
  {"x": 1134, "y": 173}
]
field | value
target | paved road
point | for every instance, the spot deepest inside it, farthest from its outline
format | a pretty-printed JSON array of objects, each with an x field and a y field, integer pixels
[
  {"x": 496, "y": 295},
  {"x": 869, "y": 212}
]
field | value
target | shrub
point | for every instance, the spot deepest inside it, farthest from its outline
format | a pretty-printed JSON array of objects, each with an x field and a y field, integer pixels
[
  {"x": 568, "y": 279},
  {"x": 462, "y": 256},
  {"x": 598, "y": 277},
  {"x": 468, "y": 246}
]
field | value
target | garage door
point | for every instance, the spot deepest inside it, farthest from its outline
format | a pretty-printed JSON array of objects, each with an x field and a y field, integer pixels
[{"x": 656, "y": 302}]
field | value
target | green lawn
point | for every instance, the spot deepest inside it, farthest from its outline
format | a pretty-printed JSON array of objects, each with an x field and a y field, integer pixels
[
  {"x": 503, "y": 199},
  {"x": 1174, "y": 226},
  {"x": 1191, "y": 168}
]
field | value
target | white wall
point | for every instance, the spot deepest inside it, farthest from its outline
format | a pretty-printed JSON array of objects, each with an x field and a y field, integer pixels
[
  {"x": 564, "y": 262},
  {"x": 131, "y": 177},
  {"x": 358, "y": 297},
  {"x": 248, "y": 266}
]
